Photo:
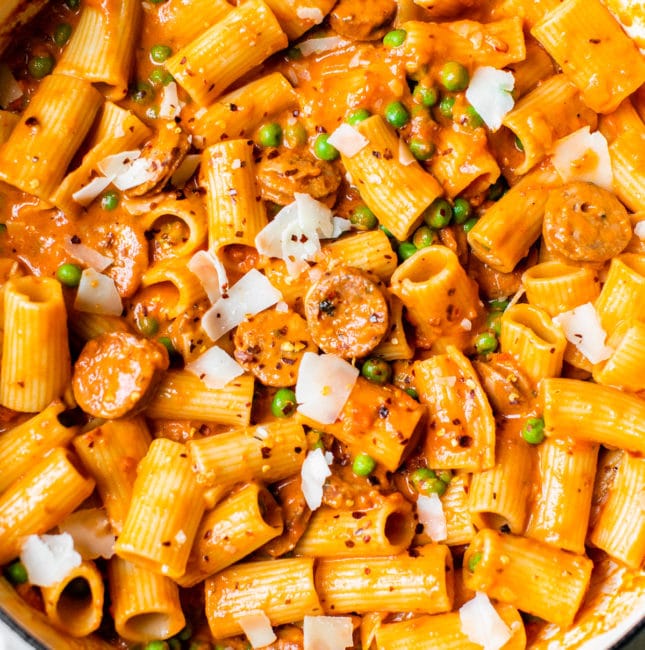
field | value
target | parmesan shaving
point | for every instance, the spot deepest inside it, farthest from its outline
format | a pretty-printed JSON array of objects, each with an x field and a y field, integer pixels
[
  {"x": 348, "y": 140},
  {"x": 318, "y": 45},
  {"x": 405, "y": 155},
  {"x": 327, "y": 632},
  {"x": 92, "y": 533},
  {"x": 323, "y": 386},
  {"x": 88, "y": 256},
  {"x": 215, "y": 367},
  {"x": 432, "y": 516},
  {"x": 639, "y": 229},
  {"x": 310, "y": 13},
  {"x": 137, "y": 173},
  {"x": 89, "y": 192},
  {"x": 118, "y": 163},
  {"x": 210, "y": 272},
  {"x": 481, "y": 623},
  {"x": 489, "y": 93},
  {"x": 97, "y": 294},
  {"x": 185, "y": 170},
  {"x": 313, "y": 473},
  {"x": 257, "y": 627},
  {"x": 170, "y": 106},
  {"x": 251, "y": 294},
  {"x": 583, "y": 329},
  {"x": 584, "y": 156},
  {"x": 49, "y": 558}
]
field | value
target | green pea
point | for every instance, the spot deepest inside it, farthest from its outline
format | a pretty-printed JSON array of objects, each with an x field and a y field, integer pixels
[
  {"x": 494, "y": 322},
  {"x": 397, "y": 114},
  {"x": 485, "y": 343},
  {"x": 16, "y": 573},
  {"x": 73, "y": 4},
  {"x": 323, "y": 149},
  {"x": 461, "y": 210},
  {"x": 62, "y": 33},
  {"x": 169, "y": 345},
  {"x": 445, "y": 106},
  {"x": 40, "y": 66},
  {"x": 453, "y": 76},
  {"x": 395, "y": 38},
  {"x": 284, "y": 403},
  {"x": 386, "y": 231},
  {"x": 359, "y": 115},
  {"x": 294, "y": 53},
  {"x": 469, "y": 225},
  {"x": 148, "y": 325},
  {"x": 377, "y": 370},
  {"x": 444, "y": 475},
  {"x": 422, "y": 474},
  {"x": 438, "y": 214},
  {"x": 427, "y": 482},
  {"x": 423, "y": 237},
  {"x": 412, "y": 392},
  {"x": 363, "y": 218},
  {"x": 406, "y": 250},
  {"x": 314, "y": 440},
  {"x": 156, "y": 645},
  {"x": 3, "y": 228},
  {"x": 159, "y": 53},
  {"x": 421, "y": 149},
  {"x": 110, "y": 200},
  {"x": 363, "y": 465},
  {"x": 425, "y": 95},
  {"x": 473, "y": 118},
  {"x": 474, "y": 560},
  {"x": 270, "y": 135},
  {"x": 497, "y": 190},
  {"x": 69, "y": 274},
  {"x": 533, "y": 431},
  {"x": 142, "y": 92},
  {"x": 518, "y": 144},
  {"x": 498, "y": 305},
  {"x": 160, "y": 77},
  {"x": 295, "y": 135}
]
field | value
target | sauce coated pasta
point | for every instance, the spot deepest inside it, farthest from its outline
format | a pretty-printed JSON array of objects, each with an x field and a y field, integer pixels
[{"x": 323, "y": 323}]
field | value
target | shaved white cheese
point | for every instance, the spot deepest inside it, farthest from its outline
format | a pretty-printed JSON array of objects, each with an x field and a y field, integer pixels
[
  {"x": 186, "y": 169},
  {"x": 215, "y": 367},
  {"x": 466, "y": 324},
  {"x": 582, "y": 327},
  {"x": 88, "y": 256},
  {"x": 584, "y": 156},
  {"x": 432, "y": 516},
  {"x": 211, "y": 273},
  {"x": 91, "y": 531},
  {"x": 639, "y": 229},
  {"x": 489, "y": 93},
  {"x": 170, "y": 106},
  {"x": 323, "y": 386},
  {"x": 348, "y": 140},
  {"x": 310, "y": 13},
  {"x": 87, "y": 194},
  {"x": 49, "y": 558},
  {"x": 10, "y": 89},
  {"x": 313, "y": 473},
  {"x": 137, "y": 173},
  {"x": 327, "y": 632},
  {"x": 294, "y": 233},
  {"x": 257, "y": 627},
  {"x": 405, "y": 155},
  {"x": 97, "y": 294},
  {"x": 251, "y": 294},
  {"x": 118, "y": 163},
  {"x": 481, "y": 623},
  {"x": 317, "y": 45}
]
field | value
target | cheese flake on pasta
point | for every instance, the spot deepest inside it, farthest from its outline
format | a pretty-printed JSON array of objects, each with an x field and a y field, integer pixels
[
  {"x": 170, "y": 106},
  {"x": 49, "y": 558},
  {"x": 97, "y": 294},
  {"x": 88, "y": 256},
  {"x": 318, "y": 45},
  {"x": 92, "y": 533},
  {"x": 489, "y": 93},
  {"x": 348, "y": 140},
  {"x": 324, "y": 383},
  {"x": 481, "y": 623},
  {"x": 432, "y": 516},
  {"x": 582, "y": 328},
  {"x": 211, "y": 273},
  {"x": 89, "y": 192},
  {"x": 313, "y": 473},
  {"x": 215, "y": 367},
  {"x": 250, "y": 295},
  {"x": 310, "y": 13},
  {"x": 327, "y": 632},
  {"x": 584, "y": 156},
  {"x": 257, "y": 627}
]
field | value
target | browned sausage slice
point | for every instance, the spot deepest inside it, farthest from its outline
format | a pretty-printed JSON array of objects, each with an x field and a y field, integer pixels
[
  {"x": 116, "y": 373},
  {"x": 363, "y": 21},
  {"x": 271, "y": 345},
  {"x": 347, "y": 312},
  {"x": 585, "y": 223}
]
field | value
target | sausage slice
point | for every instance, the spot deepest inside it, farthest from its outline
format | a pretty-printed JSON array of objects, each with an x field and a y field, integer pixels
[
  {"x": 347, "y": 312},
  {"x": 116, "y": 373},
  {"x": 271, "y": 345},
  {"x": 585, "y": 223},
  {"x": 363, "y": 21}
]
